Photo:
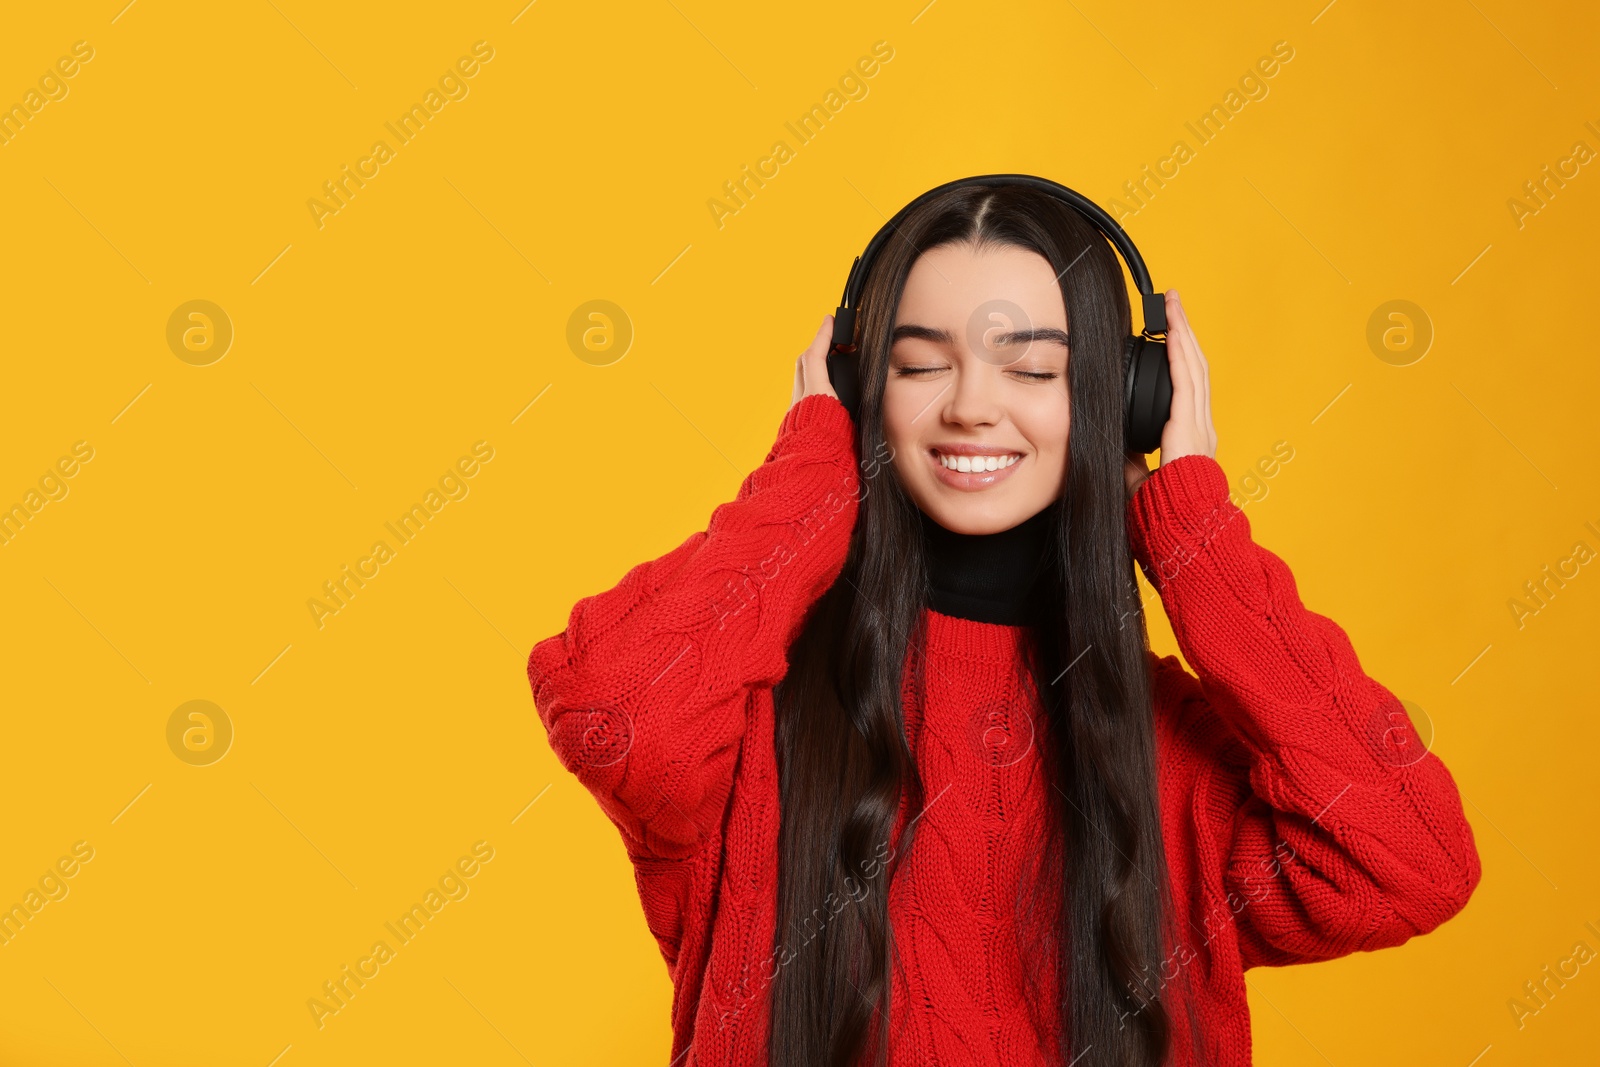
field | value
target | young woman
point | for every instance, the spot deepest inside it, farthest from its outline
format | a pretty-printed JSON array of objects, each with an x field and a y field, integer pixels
[{"x": 899, "y": 776}]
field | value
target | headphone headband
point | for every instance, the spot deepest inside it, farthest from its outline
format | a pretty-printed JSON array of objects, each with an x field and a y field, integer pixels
[{"x": 1154, "y": 304}]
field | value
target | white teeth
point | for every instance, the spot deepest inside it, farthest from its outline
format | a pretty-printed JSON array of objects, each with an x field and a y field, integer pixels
[{"x": 977, "y": 463}]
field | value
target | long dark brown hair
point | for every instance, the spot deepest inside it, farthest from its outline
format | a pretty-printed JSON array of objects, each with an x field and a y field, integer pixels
[{"x": 844, "y": 761}]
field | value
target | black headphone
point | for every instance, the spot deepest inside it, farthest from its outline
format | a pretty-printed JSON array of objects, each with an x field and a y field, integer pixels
[{"x": 1148, "y": 397}]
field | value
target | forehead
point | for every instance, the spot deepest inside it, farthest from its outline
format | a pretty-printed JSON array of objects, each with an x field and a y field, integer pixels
[{"x": 950, "y": 284}]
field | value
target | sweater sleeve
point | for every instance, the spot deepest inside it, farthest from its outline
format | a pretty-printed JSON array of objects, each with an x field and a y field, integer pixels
[
  {"x": 644, "y": 694},
  {"x": 1335, "y": 829}
]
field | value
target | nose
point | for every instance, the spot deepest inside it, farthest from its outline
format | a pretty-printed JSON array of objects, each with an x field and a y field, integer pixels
[{"x": 973, "y": 399}]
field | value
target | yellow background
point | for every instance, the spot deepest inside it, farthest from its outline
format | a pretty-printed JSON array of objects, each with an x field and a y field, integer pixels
[{"x": 431, "y": 311}]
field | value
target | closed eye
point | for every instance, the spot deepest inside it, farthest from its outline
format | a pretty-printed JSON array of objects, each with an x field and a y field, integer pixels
[{"x": 1037, "y": 376}]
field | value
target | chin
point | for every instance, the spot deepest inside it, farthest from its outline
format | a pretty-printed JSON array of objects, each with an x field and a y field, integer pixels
[{"x": 970, "y": 515}]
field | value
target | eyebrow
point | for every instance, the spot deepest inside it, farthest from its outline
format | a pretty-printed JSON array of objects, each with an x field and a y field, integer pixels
[{"x": 1045, "y": 334}]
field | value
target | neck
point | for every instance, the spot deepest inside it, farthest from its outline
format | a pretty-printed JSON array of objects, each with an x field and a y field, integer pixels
[{"x": 987, "y": 577}]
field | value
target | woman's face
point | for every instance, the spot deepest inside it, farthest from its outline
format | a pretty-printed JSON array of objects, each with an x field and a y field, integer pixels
[{"x": 978, "y": 377}]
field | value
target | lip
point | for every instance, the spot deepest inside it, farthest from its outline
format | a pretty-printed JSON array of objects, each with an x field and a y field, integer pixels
[
  {"x": 954, "y": 448},
  {"x": 972, "y": 481}
]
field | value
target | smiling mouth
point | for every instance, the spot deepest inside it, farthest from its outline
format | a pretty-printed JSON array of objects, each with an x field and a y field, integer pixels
[{"x": 973, "y": 464}]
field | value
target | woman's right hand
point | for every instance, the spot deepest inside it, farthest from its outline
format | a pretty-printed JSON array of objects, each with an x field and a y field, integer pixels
[{"x": 811, "y": 369}]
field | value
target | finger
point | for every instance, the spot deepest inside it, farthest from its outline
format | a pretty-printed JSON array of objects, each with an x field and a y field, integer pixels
[
  {"x": 1200, "y": 367},
  {"x": 1186, "y": 339},
  {"x": 1178, "y": 362},
  {"x": 1207, "y": 426},
  {"x": 819, "y": 343},
  {"x": 1188, "y": 327},
  {"x": 1196, "y": 400},
  {"x": 815, "y": 359}
]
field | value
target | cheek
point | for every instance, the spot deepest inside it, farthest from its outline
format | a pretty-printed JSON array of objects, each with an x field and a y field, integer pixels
[
  {"x": 903, "y": 437},
  {"x": 904, "y": 458},
  {"x": 1049, "y": 432},
  {"x": 1052, "y": 467},
  {"x": 899, "y": 409},
  {"x": 1047, "y": 426}
]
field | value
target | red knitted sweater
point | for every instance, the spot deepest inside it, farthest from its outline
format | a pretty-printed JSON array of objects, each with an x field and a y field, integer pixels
[{"x": 1301, "y": 817}]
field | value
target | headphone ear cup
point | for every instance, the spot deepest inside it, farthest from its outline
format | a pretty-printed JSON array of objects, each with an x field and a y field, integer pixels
[
  {"x": 1148, "y": 399},
  {"x": 845, "y": 381}
]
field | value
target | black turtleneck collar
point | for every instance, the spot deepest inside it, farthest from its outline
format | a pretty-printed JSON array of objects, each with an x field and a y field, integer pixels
[{"x": 987, "y": 577}]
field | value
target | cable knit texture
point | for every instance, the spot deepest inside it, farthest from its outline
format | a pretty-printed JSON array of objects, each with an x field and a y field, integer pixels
[{"x": 1302, "y": 818}]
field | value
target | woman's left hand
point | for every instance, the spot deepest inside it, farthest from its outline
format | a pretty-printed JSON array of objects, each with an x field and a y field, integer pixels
[{"x": 1188, "y": 431}]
